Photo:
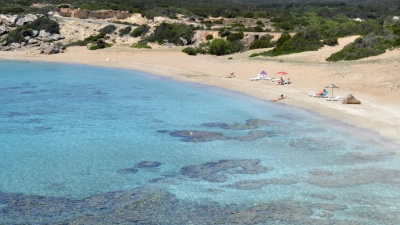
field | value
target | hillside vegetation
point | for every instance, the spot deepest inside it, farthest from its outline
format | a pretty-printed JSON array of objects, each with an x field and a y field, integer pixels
[{"x": 314, "y": 24}]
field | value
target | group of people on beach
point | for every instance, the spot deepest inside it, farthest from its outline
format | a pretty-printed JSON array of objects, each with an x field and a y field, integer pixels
[{"x": 281, "y": 81}]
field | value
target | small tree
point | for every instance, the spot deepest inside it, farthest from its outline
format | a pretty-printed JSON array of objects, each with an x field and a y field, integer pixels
[{"x": 219, "y": 47}]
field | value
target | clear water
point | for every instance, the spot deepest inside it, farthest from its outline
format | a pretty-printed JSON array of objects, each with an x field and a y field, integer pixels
[{"x": 78, "y": 136}]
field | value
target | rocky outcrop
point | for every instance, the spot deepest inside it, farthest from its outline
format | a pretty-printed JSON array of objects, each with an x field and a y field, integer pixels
[
  {"x": 350, "y": 99},
  {"x": 9, "y": 20},
  {"x": 26, "y": 19},
  {"x": 50, "y": 48},
  {"x": 46, "y": 37},
  {"x": 33, "y": 38},
  {"x": 16, "y": 21},
  {"x": 3, "y": 30},
  {"x": 98, "y": 14}
]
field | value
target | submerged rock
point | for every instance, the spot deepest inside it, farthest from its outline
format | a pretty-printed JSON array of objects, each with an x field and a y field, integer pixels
[
  {"x": 219, "y": 171},
  {"x": 198, "y": 136},
  {"x": 148, "y": 164}
]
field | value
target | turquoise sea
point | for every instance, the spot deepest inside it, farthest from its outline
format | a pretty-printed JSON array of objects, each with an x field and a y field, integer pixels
[{"x": 92, "y": 145}]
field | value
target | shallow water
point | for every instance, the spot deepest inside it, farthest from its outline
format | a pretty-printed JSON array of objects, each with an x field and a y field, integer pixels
[{"x": 92, "y": 145}]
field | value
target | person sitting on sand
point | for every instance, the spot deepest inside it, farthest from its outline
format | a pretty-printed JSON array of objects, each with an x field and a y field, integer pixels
[
  {"x": 320, "y": 93},
  {"x": 230, "y": 75},
  {"x": 280, "y": 81},
  {"x": 280, "y": 98}
]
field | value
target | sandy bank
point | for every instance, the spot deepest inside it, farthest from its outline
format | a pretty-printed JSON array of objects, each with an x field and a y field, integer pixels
[{"x": 375, "y": 81}]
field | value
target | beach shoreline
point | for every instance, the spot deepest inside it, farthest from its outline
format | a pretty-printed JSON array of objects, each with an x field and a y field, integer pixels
[{"x": 375, "y": 81}]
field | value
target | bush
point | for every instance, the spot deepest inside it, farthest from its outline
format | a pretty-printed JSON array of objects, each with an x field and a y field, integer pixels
[
  {"x": 331, "y": 41},
  {"x": 140, "y": 45},
  {"x": 44, "y": 23},
  {"x": 109, "y": 29},
  {"x": 171, "y": 33},
  {"x": 262, "y": 43},
  {"x": 255, "y": 54},
  {"x": 224, "y": 32},
  {"x": 94, "y": 40},
  {"x": 140, "y": 31},
  {"x": 209, "y": 37},
  {"x": 371, "y": 45},
  {"x": 235, "y": 36},
  {"x": 236, "y": 46},
  {"x": 220, "y": 47},
  {"x": 305, "y": 40},
  {"x": 15, "y": 36},
  {"x": 93, "y": 47},
  {"x": 190, "y": 51},
  {"x": 285, "y": 36},
  {"x": 125, "y": 31}
]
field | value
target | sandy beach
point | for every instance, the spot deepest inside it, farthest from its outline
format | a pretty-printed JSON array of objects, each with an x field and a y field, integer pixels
[{"x": 375, "y": 81}]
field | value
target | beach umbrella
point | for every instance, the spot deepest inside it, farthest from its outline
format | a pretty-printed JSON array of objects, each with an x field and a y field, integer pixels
[
  {"x": 281, "y": 73},
  {"x": 332, "y": 86}
]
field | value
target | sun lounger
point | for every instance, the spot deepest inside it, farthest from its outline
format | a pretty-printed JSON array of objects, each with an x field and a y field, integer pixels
[
  {"x": 260, "y": 77},
  {"x": 319, "y": 96},
  {"x": 337, "y": 98}
]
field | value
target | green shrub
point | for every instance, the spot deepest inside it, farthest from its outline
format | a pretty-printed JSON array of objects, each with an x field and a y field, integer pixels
[
  {"x": 171, "y": 33},
  {"x": 125, "y": 31},
  {"x": 255, "y": 54},
  {"x": 140, "y": 45},
  {"x": 262, "y": 43},
  {"x": 224, "y": 32},
  {"x": 285, "y": 36},
  {"x": 331, "y": 41},
  {"x": 109, "y": 29},
  {"x": 235, "y": 36},
  {"x": 220, "y": 47},
  {"x": 140, "y": 31},
  {"x": 93, "y": 47},
  {"x": 396, "y": 43},
  {"x": 44, "y": 23},
  {"x": 93, "y": 40},
  {"x": 15, "y": 36},
  {"x": 218, "y": 21},
  {"x": 209, "y": 37},
  {"x": 370, "y": 45},
  {"x": 190, "y": 51},
  {"x": 305, "y": 40},
  {"x": 236, "y": 46},
  {"x": 77, "y": 43}
]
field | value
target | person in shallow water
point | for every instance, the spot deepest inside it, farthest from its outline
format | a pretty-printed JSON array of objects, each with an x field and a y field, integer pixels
[{"x": 280, "y": 98}]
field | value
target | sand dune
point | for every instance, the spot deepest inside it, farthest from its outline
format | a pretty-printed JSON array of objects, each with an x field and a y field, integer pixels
[{"x": 375, "y": 80}]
